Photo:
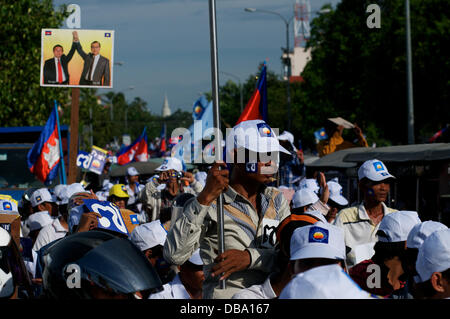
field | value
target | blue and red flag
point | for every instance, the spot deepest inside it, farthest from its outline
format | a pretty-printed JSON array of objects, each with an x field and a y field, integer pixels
[
  {"x": 43, "y": 158},
  {"x": 135, "y": 152},
  {"x": 256, "y": 108},
  {"x": 438, "y": 134}
]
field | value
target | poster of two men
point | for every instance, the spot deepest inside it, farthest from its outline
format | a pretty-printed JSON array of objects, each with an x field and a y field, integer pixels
[{"x": 77, "y": 58}]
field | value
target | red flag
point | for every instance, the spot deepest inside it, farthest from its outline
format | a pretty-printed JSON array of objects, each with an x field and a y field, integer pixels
[
  {"x": 256, "y": 108},
  {"x": 135, "y": 152}
]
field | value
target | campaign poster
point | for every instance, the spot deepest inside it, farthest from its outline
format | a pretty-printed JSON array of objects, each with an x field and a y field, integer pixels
[
  {"x": 77, "y": 58},
  {"x": 98, "y": 159}
]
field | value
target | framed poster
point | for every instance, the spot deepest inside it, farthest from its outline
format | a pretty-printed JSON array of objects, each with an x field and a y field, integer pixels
[{"x": 77, "y": 58}]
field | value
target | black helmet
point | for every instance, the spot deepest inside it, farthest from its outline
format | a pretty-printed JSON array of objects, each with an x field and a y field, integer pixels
[{"x": 104, "y": 261}]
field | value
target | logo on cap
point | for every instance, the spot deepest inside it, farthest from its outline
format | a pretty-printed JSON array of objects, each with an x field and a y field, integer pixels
[
  {"x": 38, "y": 198},
  {"x": 198, "y": 109},
  {"x": 123, "y": 188},
  {"x": 264, "y": 130},
  {"x": 378, "y": 166},
  {"x": 7, "y": 206},
  {"x": 318, "y": 235}
]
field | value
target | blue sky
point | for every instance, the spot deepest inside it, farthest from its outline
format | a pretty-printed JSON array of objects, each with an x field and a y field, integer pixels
[{"x": 165, "y": 47}]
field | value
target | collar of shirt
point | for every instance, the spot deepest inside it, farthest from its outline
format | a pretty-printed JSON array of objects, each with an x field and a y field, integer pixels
[
  {"x": 57, "y": 226},
  {"x": 178, "y": 290},
  {"x": 230, "y": 195},
  {"x": 362, "y": 213}
]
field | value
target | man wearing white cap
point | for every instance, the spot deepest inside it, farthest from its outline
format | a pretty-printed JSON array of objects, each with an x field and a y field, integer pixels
[
  {"x": 251, "y": 209},
  {"x": 59, "y": 226},
  {"x": 306, "y": 198},
  {"x": 360, "y": 223},
  {"x": 336, "y": 201},
  {"x": 415, "y": 239},
  {"x": 170, "y": 173},
  {"x": 133, "y": 189},
  {"x": 188, "y": 282},
  {"x": 433, "y": 266},
  {"x": 318, "y": 264},
  {"x": 389, "y": 279},
  {"x": 44, "y": 210},
  {"x": 292, "y": 166}
]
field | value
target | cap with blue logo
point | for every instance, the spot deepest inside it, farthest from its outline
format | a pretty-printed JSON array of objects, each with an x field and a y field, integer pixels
[
  {"x": 40, "y": 196},
  {"x": 374, "y": 170},
  {"x": 170, "y": 163},
  {"x": 8, "y": 205},
  {"x": 320, "y": 240}
]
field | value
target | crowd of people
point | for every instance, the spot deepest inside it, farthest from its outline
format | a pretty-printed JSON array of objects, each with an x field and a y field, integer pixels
[{"x": 297, "y": 238}]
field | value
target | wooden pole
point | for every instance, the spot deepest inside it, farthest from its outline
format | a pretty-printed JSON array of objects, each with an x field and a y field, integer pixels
[{"x": 74, "y": 121}]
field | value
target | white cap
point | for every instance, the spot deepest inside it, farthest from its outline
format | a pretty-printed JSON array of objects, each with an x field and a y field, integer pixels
[
  {"x": 201, "y": 177},
  {"x": 195, "y": 258},
  {"x": 170, "y": 163},
  {"x": 40, "y": 196},
  {"x": 309, "y": 183},
  {"x": 149, "y": 235},
  {"x": 38, "y": 220},
  {"x": 421, "y": 231},
  {"x": 323, "y": 282},
  {"x": 304, "y": 197},
  {"x": 254, "y": 135},
  {"x": 131, "y": 171},
  {"x": 373, "y": 170},
  {"x": 75, "y": 188},
  {"x": 434, "y": 255},
  {"x": 336, "y": 193},
  {"x": 60, "y": 191},
  {"x": 321, "y": 240},
  {"x": 8, "y": 205},
  {"x": 287, "y": 136},
  {"x": 397, "y": 225}
]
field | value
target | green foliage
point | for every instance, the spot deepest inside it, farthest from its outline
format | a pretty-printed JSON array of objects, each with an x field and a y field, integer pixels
[{"x": 23, "y": 102}]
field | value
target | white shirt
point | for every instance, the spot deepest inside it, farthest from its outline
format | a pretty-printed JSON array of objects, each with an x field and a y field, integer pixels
[
  {"x": 263, "y": 291},
  {"x": 134, "y": 194},
  {"x": 57, "y": 71},
  {"x": 172, "y": 290},
  {"x": 49, "y": 233},
  {"x": 96, "y": 58}
]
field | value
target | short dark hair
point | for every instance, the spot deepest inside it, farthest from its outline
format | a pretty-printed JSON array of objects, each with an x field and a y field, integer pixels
[
  {"x": 58, "y": 45},
  {"x": 96, "y": 42},
  {"x": 385, "y": 251},
  {"x": 426, "y": 288}
]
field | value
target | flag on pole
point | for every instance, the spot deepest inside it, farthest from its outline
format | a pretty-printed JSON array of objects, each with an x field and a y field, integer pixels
[
  {"x": 438, "y": 134},
  {"x": 44, "y": 157},
  {"x": 256, "y": 108},
  {"x": 135, "y": 152}
]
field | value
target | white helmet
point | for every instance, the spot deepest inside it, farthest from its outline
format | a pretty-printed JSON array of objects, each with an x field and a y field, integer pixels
[{"x": 6, "y": 276}]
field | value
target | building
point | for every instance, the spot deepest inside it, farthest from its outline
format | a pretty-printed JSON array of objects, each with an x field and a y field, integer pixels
[{"x": 166, "y": 108}]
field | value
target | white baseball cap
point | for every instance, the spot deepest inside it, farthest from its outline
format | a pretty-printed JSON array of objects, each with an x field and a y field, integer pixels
[
  {"x": 195, "y": 258},
  {"x": 309, "y": 183},
  {"x": 60, "y": 191},
  {"x": 434, "y": 255},
  {"x": 421, "y": 231},
  {"x": 396, "y": 226},
  {"x": 254, "y": 135},
  {"x": 170, "y": 163},
  {"x": 304, "y": 197},
  {"x": 321, "y": 240},
  {"x": 149, "y": 235},
  {"x": 373, "y": 170},
  {"x": 8, "y": 205},
  {"x": 336, "y": 193},
  {"x": 287, "y": 136},
  {"x": 40, "y": 196},
  {"x": 75, "y": 188},
  {"x": 323, "y": 282},
  {"x": 317, "y": 214},
  {"x": 38, "y": 220},
  {"x": 132, "y": 171}
]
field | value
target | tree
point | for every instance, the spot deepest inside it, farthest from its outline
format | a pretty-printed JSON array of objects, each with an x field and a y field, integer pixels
[{"x": 23, "y": 102}]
